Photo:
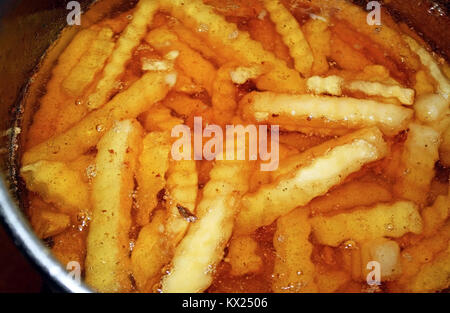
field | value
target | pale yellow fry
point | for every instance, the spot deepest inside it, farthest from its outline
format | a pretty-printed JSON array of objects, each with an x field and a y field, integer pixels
[
  {"x": 148, "y": 254},
  {"x": 295, "y": 112},
  {"x": 383, "y": 220},
  {"x": 292, "y": 35},
  {"x": 434, "y": 276},
  {"x": 56, "y": 183},
  {"x": 427, "y": 59},
  {"x": 331, "y": 85},
  {"x": 140, "y": 97},
  {"x": 91, "y": 63},
  {"x": 293, "y": 269},
  {"x": 108, "y": 243},
  {"x": 404, "y": 95},
  {"x": 181, "y": 190},
  {"x": 419, "y": 156},
  {"x": 129, "y": 39},
  {"x": 431, "y": 108},
  {"x": 153, "y": 165},
  {"x": 203, "y": 246},
  {"x": 243, "y": 257},
  {"x": 384, "y": 251},
  {"x": 308, "y": 180},
  {"x": 238, "y": 46}
]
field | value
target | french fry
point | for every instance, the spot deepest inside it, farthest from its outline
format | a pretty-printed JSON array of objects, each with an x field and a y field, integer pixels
[
  {"x": 419, "y": 156},
  {"x": 434, "y": 216},
  {"x": 427, "y": 59},
  {"x": 331, "y": 85},
  {"x": 165, "y": 41},
  {"x": 350, "y": 195},
  {"x": 293, "y": 269},
  {"x": 347, "y": 57},
  {"x": 331, "y": 281},
  {"x": 243, "y": 256},
  {"x": 291, "y": 163},
  {"x": 444, "y": 148},
  {"x": 434, "y": 276},
  {"x": 297, "y": 112},
  {"x": 390, "y": 220},
  {"x": 234, "y": 45},
  {"x": 45, "y": 220},
  {"x": 90, "y": 64},
  {"x": 202, "y": 248},
  {"x": 223, "y": 99},
  {"x": 241, "y": 74},
  {"x": 45, "y": 119},
  {"x": 107, "y": 259},
  {"x": 160, "y": 119},
  {"x": 70, "y": 246},
  {"x": 56, "y": 183},
  {"x": 149, "y": 253},
  {"x": 140, "y": 97},
  {"x": 423, "y": 85},
  {"x": 430, "y": 108},
  {"x": 183, "y": 105},
  {"x": 318, "y": 36},
  {"x": 129, "y": 39},
  {"x": 152, "y": 166},
  {"x": 384, "y": 251},
  {"x": 404, "y": 95},
  {"x": 415, "y": 256},
  {"x": 308, "y": 179},
  {"x": 289, "y": 29}
]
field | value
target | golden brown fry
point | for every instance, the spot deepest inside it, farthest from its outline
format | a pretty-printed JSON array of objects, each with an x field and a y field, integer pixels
[
  {"x": 331, "y": 281},
  {"x": 318, "y": 36},
  {"x": 419, "y": 156},
  {"x": 202, "y": 248},
  {"x": 350, "y": 195},
  {"x": 47, "y": 223},
  {"x": 309, "y": 178},
  {"x": 141, "y": 96},
  {"x": 107, "y": 260},
  {"x": 392, "y": 220},
  {"x": 293, "y": 269},
  {"x": 129, "y": 39},
  {"x": 444, "y": 148},
  {"x": 321, "y": 113},
  {"x": 243, "y": 257},
  {"x": 434, "y": 216},
  {"x": 45, "y": 119},
  {"x": 56, "y": 183},
  {"x": 289, "y": 29},
  {"x": 189, "y": 61},
  {"x": 91, "y": 63},
  {"x": 434, "y": 276},
  {"x": 160, "y": 119},
  {"x": 152, "y": 167},
  {"x": 224, "y": 95},
  {"x": 234, "y": 45}
]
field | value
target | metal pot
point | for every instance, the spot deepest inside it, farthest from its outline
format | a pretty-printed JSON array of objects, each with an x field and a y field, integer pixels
[{"x": 29, "y": 27}]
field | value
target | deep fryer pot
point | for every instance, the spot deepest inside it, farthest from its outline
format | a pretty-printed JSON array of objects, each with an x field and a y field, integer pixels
[{"x": 29, "y": 27}]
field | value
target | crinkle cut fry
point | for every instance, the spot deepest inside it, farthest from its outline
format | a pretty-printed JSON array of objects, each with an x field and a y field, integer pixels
[
  {"x": 91, "y": 63},
  {"x": 362, "y": 224},
  {"x": 140, "y": 97},
  {"x": 107, "y": 260},
  {"x": 182, "y": 189},
  {"x": 289, "y": 29},
  {"x": 236, "y": 45},
  {"x": 202, "y": 248},
  {"x": 293, "y": 269},
  {"x": 130, "y": 38},
  {"x": 311, "y": 179},
  {"x": 427, "y": 59},
  {"x": 296, "y": 112}
]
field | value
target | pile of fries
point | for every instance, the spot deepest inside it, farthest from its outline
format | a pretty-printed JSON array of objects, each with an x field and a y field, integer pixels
[{"x": 364, "y": 151}]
